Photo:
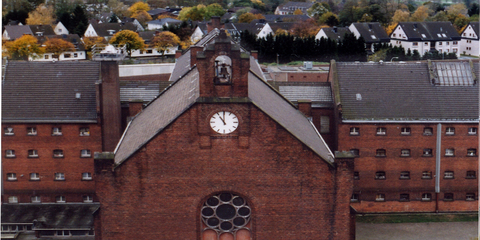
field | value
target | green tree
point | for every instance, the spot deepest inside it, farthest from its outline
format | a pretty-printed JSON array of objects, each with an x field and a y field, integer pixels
[
  {"x": 317, "y": 10},
  {"x": 119, "y": 8},
  {"x": 79, "y": 22},
  {"x": 330, "y": 19},
  {"x": 214, "y": 10},
  {"x": 113, "y": 18},
  {"x": 246, "y": 18},
  {"x": 23, "y": 48},
  {"x": 400, "y": 16},
  {"x": 129, "y": 38}
]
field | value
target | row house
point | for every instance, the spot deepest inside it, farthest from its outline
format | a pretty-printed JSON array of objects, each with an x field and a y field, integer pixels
[
  {"x": 426, "y": 37},
  {"x": 414, "y": 130},
  {"x": 290, "y": 7},
  {"x": 470, "y": 45},
  {"x": 107, "y": 30}
]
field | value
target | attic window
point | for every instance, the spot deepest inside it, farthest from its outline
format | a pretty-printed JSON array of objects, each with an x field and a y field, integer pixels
[
  {"x": 439, "y": 35},
  {"x": 373, "y": 37},
  {"x": 444, "y": 35},
  {"x": 423, "y": 35},
  {"x": 39, "y": 34},
  {"x": 111, "y": 32},
  {"x": 453, "y": 74},
  {"x": 359, "y": 96}
]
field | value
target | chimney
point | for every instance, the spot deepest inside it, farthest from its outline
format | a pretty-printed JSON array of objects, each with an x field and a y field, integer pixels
[
  {"x": 193, "y": 54},
  {"x": 110, "y": 108},
  {"x": 254, "y": 54},
  {"x": 305, "y": 106},
  {"x": 178, "y": 53},
  {"x": 215, "y": 23}
]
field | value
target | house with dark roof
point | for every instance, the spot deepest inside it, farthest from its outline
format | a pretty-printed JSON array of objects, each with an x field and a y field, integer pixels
[
  {"x": 372, "y": 33},
  {"x": 150, "y": 51},
  {"x": 414, "y": 130},
  {"x": 334, "y": 33},
  {"x": 13, "y": 32},
  {"x": 60, "y": 29},
  {"x": 426, "y": 37},
  {"x": 290, "y": 7},
  {"x": 160, "y": 23},
  {"x": 271, "y": 18},
  {"x": 470, "y": 45},
  {"x": 78, "y": 53},
  {"x": 223, "y": 153},
  {"x": 107, "y": 30}
]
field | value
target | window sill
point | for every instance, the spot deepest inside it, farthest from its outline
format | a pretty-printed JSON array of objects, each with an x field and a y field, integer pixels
[
  {"x": 356, "y": 201},
  {"x": 446, "y": 178},
  {"x": 426, "y": 200},
  {"x": 58, "y": 156},
  {"x": 34, "y": 180},
  {"x": 405, "y": 134},
  {"x": 59, "y": 180},
  {"x": 430, "y": 155},
  {"x": 403, "y": 200},
  {"x": 472, "y": 156},
  {"x": 87, "y": 180},
  {"x": 13, "y": 156},
  {"x": 380, "y": 156},
  {"x": 377, "y": 200},
  {"x": 449, "y": 155},
  {"x": 469, "y": 200},
  {"x": 380, "y": 178},
  {"x": 33, "y": 156},
  {"x": 470, "y": 177},
  {"x": 86, "y": 156},
  {"x": 405, "y": 156},
  {"x": 448, "y": 200},
  {"x": 9, "y": 134},
  {"x": 12, "y": 180},
  {"x": 405, "y": 178}
]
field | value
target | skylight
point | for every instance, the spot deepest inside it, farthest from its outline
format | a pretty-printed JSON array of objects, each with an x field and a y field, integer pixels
[
  {"x": 453, "y": 74},
  {"x": 423, "y": 36}
]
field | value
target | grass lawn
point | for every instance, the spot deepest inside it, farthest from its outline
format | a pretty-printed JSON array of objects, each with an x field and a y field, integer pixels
[{"x": 417, "y": 218}]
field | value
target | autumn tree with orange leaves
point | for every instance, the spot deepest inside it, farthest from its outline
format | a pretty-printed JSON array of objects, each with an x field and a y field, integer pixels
[
  {"x": 23, "y": 48},
  {"x": 58, "y": 46},
  {"x": 164, "y": 40}
]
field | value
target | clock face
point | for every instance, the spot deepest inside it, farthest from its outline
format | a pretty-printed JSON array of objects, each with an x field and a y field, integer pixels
[{"x": 224, "y": 122}]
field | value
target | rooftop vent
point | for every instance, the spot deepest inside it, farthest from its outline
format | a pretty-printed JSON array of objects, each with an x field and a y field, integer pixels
[
  {"x": 78, "y": 95},
  {"x": 308, "y": 65},
  {"x": 359, "y": 96}
]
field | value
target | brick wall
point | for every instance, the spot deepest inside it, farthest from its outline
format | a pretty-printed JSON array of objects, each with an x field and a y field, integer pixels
[
  {"x": 393, "y": 164},
  {"x": 290, "y": 190},
  {"x": 71, "y": 164}
]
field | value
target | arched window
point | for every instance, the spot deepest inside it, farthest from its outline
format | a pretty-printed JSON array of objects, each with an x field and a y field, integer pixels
[
  {"x": 223, "y": 70},
  {"x": 225, "y": 216}
]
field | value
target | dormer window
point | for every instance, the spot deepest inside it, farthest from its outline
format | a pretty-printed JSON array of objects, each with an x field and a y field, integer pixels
[
  {"x": 223, "y": 70},
  {"x": 56, "y": 131},
  {"x": 39, "y": 34},
  {"x": 111, "y": 32},
  {"x": 9, "y": 131}
]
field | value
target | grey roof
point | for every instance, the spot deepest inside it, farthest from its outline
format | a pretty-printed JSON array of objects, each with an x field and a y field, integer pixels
[
  {"x": 313, "y": 93},
  {"x": 144, "y": 91},
  {"x": 281, "y": 25},
  {"x": 164, "y": 21},
  {"x": 51, "y": 216},
  {"x": 102, "y": 28},
  {"x": 46, "y": 91},
  {"x": 336, "y": 33},
  {"x": 296, "y": 5},
  {"x": 400, "y": 92},
  {"x": 157, "y": 11},
  {"x": 16, "y": 31},
  {"x": 237, "y": 28},
  {"x": 73, "y": 38},
  {"x": 148, "y": 35},
  {"x": 285, "y": 18},
  {"x": 429, "y": 31},
  {"x": 372, "y": 32},
  {"x": 44, "y": 29},
  {"x": 184, "y": 92}
]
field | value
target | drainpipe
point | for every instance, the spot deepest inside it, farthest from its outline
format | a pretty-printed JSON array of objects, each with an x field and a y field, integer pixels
[{"x": 437, "y": 164}]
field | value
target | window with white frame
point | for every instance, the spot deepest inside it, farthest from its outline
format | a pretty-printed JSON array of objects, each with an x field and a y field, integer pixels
[
  {"x": 35, "y": 176},
  {"x": 426, "y": 196},
  {"x": 32, "y": 153},
  {"x": 415, "y": 44},
  {"x": 12, "y": 199},
  {"x": 59, "y": 177},
  {"x": 31, "y": 131},
  {"x": 58, "y": 153},
  {"x": 354, "y": 131},
  {"x": 85, "y": 153},
  {"x": 380, "y": 197},
  {"x": 427, "y": 131},
  {"x": 8, "y": 131},
  {"x": 380, "y": 175},
  {"x": 426, "y": 175},
  {"x": 471, "y": 175},
  {"x": 56, "y": 131},
  {"x": 448, "y": 197},
  {"x": 354, "y": 197},
  {"x": 470, "y": 197},
  {"x": 87, "y": 199},
  {"x": 405, "y": 131},
  {"x": 450, "y": 131},
  {"x": 472, "y": 131},
  {"x": 455, "y": 43},
  {"x": 404, "y": 197},
  {"x": 60, "y": 199},
  {"x": 405, "y": 175},
  {"x": 427, "y": 152},
  {"x": 36, "y": 199},
  {"x": 324, "y": 124},
  {"x": 380, "y": 153},
  {"x": 84, "y": 131},
  {"x": 9, "y": 153},
  {"x": 449, "y": 152},
  {"x": 86, "y": 176},
  {"x": 472, "y": 152},
  {"x": 448, "y": 175},
  {"x": 11, "y": 176},
  {"x": 381, "y": 131},
  {"x": 405, "y": 153}
]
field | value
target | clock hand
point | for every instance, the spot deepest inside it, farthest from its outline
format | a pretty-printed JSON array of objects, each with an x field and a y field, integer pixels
[{"x": 222, "y": 118}]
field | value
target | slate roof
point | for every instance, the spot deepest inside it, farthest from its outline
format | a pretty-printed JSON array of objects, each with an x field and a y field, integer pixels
[
  {"x": 73, "y": 38},
  {"x": 51, "y": 216},
  {"x": 400, "y": 92},
  {"x": 283, "y": 25},
  {"x": 292, "y": 6},
  {"x": 102, "y": 28},
  {"x": 46, "y": 91},
  {"x": 319, "y": 93},
  {"x": 336, "y": 33},
  {"x": 372, "y": 32},
  {"x": 285, "y": 18},
  {"x": 148, "y": 35},
  {"x": 184, "y": 92},
  {"x": 429, "y": 31},
  {"x": 144, "y": 91},
  {"x": 164, "y": 21},
  {"x": 16, "y": 31}
]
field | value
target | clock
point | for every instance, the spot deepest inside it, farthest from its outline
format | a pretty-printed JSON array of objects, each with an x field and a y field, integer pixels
[{"x": 224, "y": 122}]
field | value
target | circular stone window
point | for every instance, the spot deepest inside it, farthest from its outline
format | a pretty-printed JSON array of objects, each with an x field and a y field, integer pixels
[{"x": 225, "y": 212}]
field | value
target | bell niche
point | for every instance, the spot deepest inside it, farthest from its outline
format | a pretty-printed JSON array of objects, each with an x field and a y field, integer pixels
[{"x": 223, "y": 70}]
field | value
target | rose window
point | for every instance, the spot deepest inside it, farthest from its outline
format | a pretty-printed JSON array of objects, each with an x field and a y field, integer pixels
[{"x": 225, "y": 212}]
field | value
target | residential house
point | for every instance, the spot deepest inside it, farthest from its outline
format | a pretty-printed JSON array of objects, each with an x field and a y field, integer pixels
[
  {"x": 273, "y": 27},
  {"x": 60, "y": 29},
  {"x": 290, "y": 7},
  {"x": 281, "y": 18},
  {"x": 12, "y": 32},
  {"x": 78, "y": 53},
  {"x": 426, "y": 36},
  {"x": 107, "y": 30},
  {"x": 150, "y": 51},
  {"x": 334, "y": 33},
  {"x": 227, "y": 121},
  {"x": 414, "y": 130},
  {"x": 199, "y": 32},
  {"x": 155, "y": 13},
  {"x": 371, "y": 32},
  {"x": 469, "y": 45},
  {"x": 160, "y": 23}
]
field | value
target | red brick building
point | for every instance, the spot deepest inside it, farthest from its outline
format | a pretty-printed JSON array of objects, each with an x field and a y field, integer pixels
[
  {"x": 414, "y": 129},
  {"x": 55, "y": 115},
  {"x": 221, "y": 155}
]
